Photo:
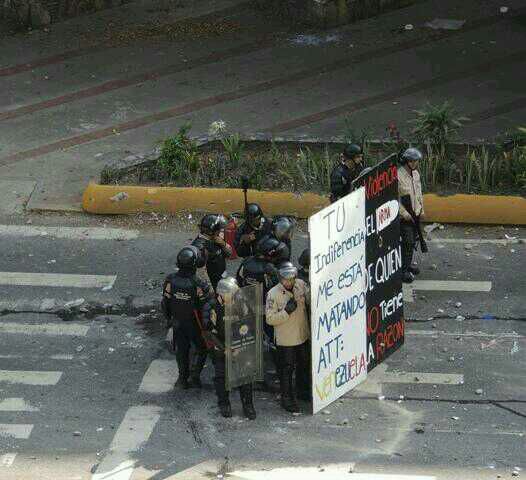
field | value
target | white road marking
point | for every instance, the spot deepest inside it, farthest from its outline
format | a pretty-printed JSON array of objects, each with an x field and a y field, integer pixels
[
  {"x": 436, "y": 333},
  {"x": 135, "y": 429},
  {"x": 16, "y": 405},
  {"x": 29, "y": 377},
  {"x": 310, "y": 473},
  {"x": 60, "y": 356},
  {"x": 7, "y": 460},
  {"x": 15, "y": 430},
  {"x": 160, "y": 377},
  {"x": 72, "y": 329},
  {"x": 66, "y": 280},
  {"x": 380, "y": 375},
  {"x": 443, "y": 286},
  {"x": 478, "y": 241},
  {"x": 68, "y": 233}
]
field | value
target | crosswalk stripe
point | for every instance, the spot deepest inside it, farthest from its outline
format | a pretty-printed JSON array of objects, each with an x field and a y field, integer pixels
[
  {"x": 135, "y": 429},
  {"x": 310, "y": 473},
  {"x": 16, "y": 405},
  {"x": 70, "y": 329},
  {"x": 29, "y": 377},
  {"x": 479, "y": 241},
  {"x": 15, "y": 430},
  {"x": 444, "y": 286},
  {"x": 69, "y": 233},
  {"x": 7, "y": 459},
  {"x": 31, "y": 279},
  {"x": 160, "y": 377}
]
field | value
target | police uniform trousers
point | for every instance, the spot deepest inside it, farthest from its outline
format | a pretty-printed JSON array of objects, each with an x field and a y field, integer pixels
[
  {"x": 184, "y": 337},
  {"x": 295, "y": 360},
  {"x": 245, "y": 391},
  {"x": 407, "y": 232}
]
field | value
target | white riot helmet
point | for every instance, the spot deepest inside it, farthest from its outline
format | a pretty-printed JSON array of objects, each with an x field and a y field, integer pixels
[{"x": 227, "y": 288}]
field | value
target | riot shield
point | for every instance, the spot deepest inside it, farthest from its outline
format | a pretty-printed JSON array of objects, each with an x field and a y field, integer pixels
[{"x": 243, "y": 337}]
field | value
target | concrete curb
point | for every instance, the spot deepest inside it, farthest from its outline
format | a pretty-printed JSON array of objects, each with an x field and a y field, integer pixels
[{"x": 123, "y": 199}]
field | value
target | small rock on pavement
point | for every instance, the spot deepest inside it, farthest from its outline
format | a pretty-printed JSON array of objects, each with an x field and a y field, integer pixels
[
  {"x": 363, "y": 416},
  {"x": 515, "y": 473},
  {"x": 74, "y": 303},
  {"x": 455, "y": 418},
  {"x": 326, "y": 412},
  {"x": 345, "y": 421},
  {"x": 77, "y": 434},
  {"x": 458, "y": 304},
  {"x": 479, "y": 391},
  {"x": 420, "y": 429},
  {"x": 79, "y": 348},
  {"x": 468, "y": 247},
  {"x": 451, "y": 359}
]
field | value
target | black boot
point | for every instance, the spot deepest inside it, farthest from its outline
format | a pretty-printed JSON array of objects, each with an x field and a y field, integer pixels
[
  {"x": 225, "y": 409},
  {"x": 247, "y": 400},
  {"x": 407, "y": 277},
  {"x": 182, "y": 382},
  {"x": 414, "y": 270},
  {"x": 198, "y": 364}
]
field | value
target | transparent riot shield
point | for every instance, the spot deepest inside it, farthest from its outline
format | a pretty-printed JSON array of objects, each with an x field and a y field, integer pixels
[{"x": 243, "y": 337}]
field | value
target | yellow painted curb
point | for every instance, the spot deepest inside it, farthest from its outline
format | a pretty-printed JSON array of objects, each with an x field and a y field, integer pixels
[
  {"x": 122, "y": 199},
  {"x": 488, "y": 209},
  {"x": 116, "y": 199}
]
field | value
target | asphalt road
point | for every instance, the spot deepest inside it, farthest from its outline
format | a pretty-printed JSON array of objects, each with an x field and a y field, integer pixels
[{"x": 96, "y": 399}]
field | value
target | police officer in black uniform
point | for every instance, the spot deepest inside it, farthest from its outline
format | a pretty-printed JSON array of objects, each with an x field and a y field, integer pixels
[
  {"x": 283, "y": 230},
  {"x": 346, "y": 171},
  {"x": 255, "y": 227},
  {"x": 184, "y": 294},
  {"x": 212, "y": 246},
  {"x": 213, "y": 320},
  {"x": 304, "y": 261}
]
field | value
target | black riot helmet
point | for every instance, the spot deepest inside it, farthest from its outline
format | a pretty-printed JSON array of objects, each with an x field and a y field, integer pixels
[
  {"x": 351, "y": 151},
  {"x": 287, "y": 271},
  {"x": 254, "y": 214},
  {"x": 283, "y": 228},
  {"x": 267, "y": 247},
  {"x": 304, "y": 259},
  {"x": 187, "y": 258},
  {"x": 411, "y": 155},
  {"x": 282, "y": 253},
  {"x": 212, "y": 223}
]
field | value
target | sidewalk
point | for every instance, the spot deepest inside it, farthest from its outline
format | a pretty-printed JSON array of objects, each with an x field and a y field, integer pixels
[{"x": 106, "y": 84}]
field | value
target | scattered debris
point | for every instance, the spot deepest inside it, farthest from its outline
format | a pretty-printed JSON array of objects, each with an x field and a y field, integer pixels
[
  {"x": 441, "y": 227},
  {"x": 445, "y": 24},
  {"x": 74, "y": 303},
  {"x": 381, "y": 397},
  {"x": 79, "y": 348},
  {"x": 107, "y": 287},
  {"x": 458, "y": 304},
  {"x": 430, "y": 228},
  {"x": 119, "y": 197},
  {"x": 408, "y": 27},
  {"x": 479, "y": 391},
  {"x": 326, "y": 412},
  {"x": 504, "y": 9},
  {"x": 363, "y": 416},
  {"x": 440, "y": 310},
  {"x": 468, "y": 246},
  {"x": 345, "y": 421},
  {"x": 311, "y": 40},
  {"x": 420, "y": 429},
  {"x": 455, "y": 418},
  {"x": 77, "y": 434},
  {"x": 460, "y": 318},
  {"x": 451, "y": 359}
]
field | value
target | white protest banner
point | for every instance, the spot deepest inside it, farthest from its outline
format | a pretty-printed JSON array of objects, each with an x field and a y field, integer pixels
[{"x": 338, "y": 298}]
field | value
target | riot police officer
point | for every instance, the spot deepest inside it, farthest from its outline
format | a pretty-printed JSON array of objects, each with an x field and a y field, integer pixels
[
  {"x": 343, "y": 174},
  {"x": 255, "y": 227},
  {"x": 286, "y": 310},
  {"x": 283, "y": 230},
  {"x": 261, "y": 268},
  {"x": 304, "y": 261},
  {"x": 212, "y": 246},
  {"x": 184, "y": 294},
  {"x": 409, "y": 185},
  {"x": 213, "y": 320}
]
